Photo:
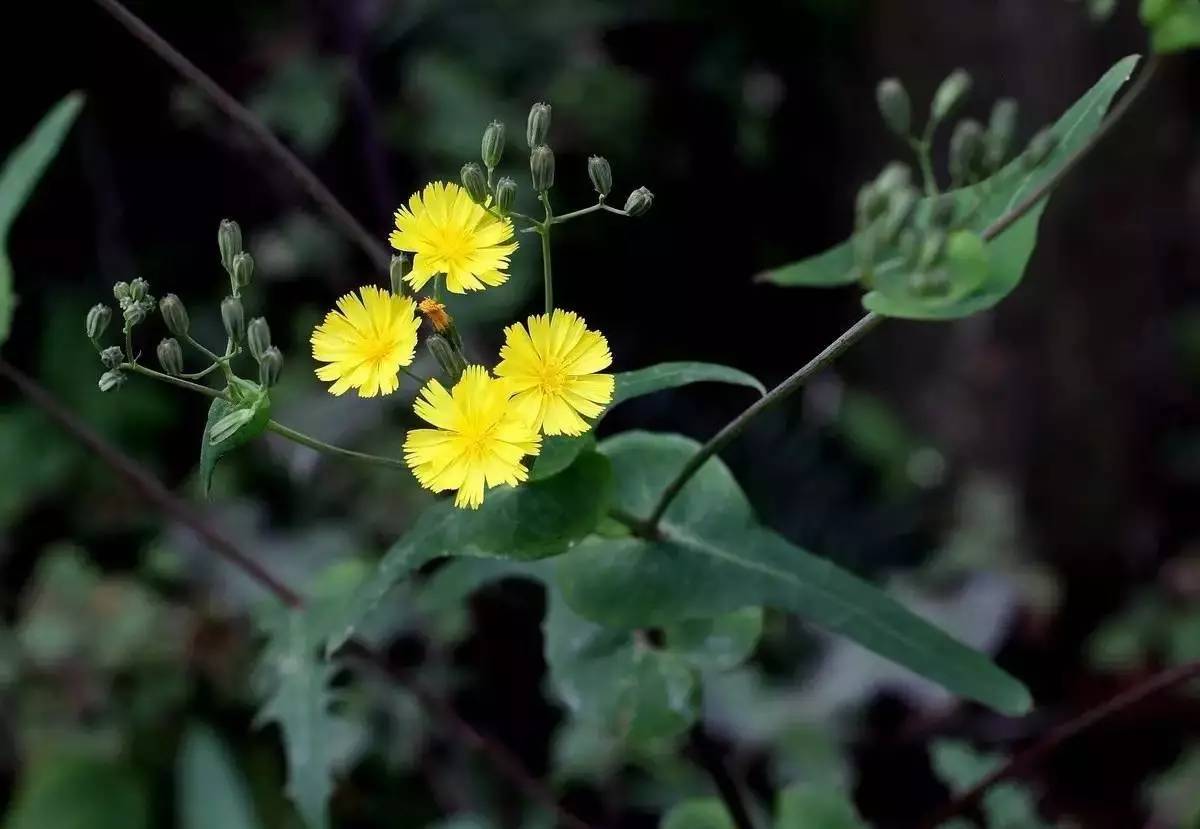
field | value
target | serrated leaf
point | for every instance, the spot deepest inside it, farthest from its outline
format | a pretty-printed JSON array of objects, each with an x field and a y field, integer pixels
[
  {"x": 815, "y": 806},
  {"x": 1010, "y": 252},
  {"x": 535, "y": 520},
  {"x": 715, "y": 558},
  {"x": 211, "y": 791},
  {"x": 230, "y": 426},
  {"x": 296, "y": 681},
  {"x": 21, "y": 173},
  {"x": 701, "y": 813},
  {"x": 79, "y": 792}
]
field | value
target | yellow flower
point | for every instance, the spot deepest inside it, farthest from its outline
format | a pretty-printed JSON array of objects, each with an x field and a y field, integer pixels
[
  {"x": 478, "y": 441},
  {"x": 453, "y": 235},
  {"x": 552, "y": 368},
  {"x": 366, "y": 341}
]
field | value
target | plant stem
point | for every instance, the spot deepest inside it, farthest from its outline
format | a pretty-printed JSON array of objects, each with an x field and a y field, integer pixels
[
  {"x": 547, "y": 270},
  {"x": 328, "y": 448},
  {"x": 922, "y": 148},
  {"x": 566, "y": 217},
  {"x": 174, "y": 381},
  {"x": 129, "y": 344}
]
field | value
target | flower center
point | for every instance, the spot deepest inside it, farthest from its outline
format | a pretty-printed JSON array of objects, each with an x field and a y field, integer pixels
[{"x": 551, "y": 378}]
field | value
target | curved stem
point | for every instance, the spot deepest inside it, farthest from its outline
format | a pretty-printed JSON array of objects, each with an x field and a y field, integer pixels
[
  {"x": 328, "y": 448},
  {"x": 174, "y": 381},
  {"x": 566, "y": 217},
  {"x": 922, "y": 149},
  {"x": 200, "y": 375}
]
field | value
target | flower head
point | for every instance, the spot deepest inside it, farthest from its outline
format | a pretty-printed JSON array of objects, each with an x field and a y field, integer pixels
[
  {"x": 552, "y": 367},
  {"x": 366, "y": 341},
  {"x": 451, "y": 234},
  {"x": 478, "y": 440},
  {"x": 435, "y": 312}
]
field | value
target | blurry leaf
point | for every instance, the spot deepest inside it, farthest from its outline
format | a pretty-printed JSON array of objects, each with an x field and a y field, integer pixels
[
  {"x": 20, "y": 174},
  {"x": 810, "y": 806},
  {"x": 211, "y": 790},
  {"x": 302, "y": 99},
  {"x": 1009, "y": 253},
  {"x": 298, "y": 697},
  {"x": 1125, "y": 639},
  {"x": 1183, "y": 637},
  {"x": 35, "y": 461},
  {"x": 531, "y": 521},
  {"x": 715, "y": 558},
  {"x": 1005, "y": 805},
  {"x": 1174, "y": 24},
  {"x": 720, "y": 643},
  {"x": 708, "y": 813},
  {"x": 229, "y": 426},
  {"x": 75, "y": 792},
  {"x": 1174, "y": 795}
]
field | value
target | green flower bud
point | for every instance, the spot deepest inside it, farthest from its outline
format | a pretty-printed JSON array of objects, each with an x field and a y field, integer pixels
[
  {"x": 894, "y": 106},
  {"x": 170, "y": 356},
  {"x": 174, "y": 314},
  {"x": 448, "y": 357},
  {"x": 229, "y": 240},
  {"x": 639, "y": 202},
  {"x": 98, "y": 318},
  {"x": 870, "y": 204},
  {"x": 400, "y": 267},
  {"x": 950, "y": 94},
  {"x": 538, "y": 125},
  {"x": 506, "y": 195},
  {"x": 932, "y": 249},
  {"x": 112, "y": 379},
  {"x": 941, "y": 213},
  {"x": 133, "y": 312},
  {"x": 269, "y": 367},
  {"x": 112, "y": 356},
  {"x": 243, "y": 269},
  {"x": 966, "y": 152},
  {"x": 474, "y": 182},
  {"x": 895, "y": 176},
  {"x": 139, "y": 289},
  {"x": 1001, "y": 128},
  {"x": 492, "y": 149},
  {"x": 121, "y": 292},
  {"x": 901, "y": 206},
  {"x": 1040, "y": 148},
  {"x": 233, "y": 316},
  {"x": 541, "y": 167},
  {"x": 600, "y": 173},
  {"x": 258, "y": 337}
]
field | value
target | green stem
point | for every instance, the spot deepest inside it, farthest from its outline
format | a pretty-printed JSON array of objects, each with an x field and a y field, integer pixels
[
  {"x": 174, "y": 381},
  {"x": 547, "y": 269},
  {"x": 328, "y": 448},
  {"x": 129, "y": 344},
  {"x": 923, "y": 149},
  {"x": 566, "y": 217},
  {"x": 200, "y": 375},
  {"x": 415, "y": 376}
]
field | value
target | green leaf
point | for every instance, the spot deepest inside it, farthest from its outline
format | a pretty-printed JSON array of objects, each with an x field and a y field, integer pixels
[
  {"x": 230, "y": 426},
  {"x": 1174, "y": 24},
  {"x": 719, "y": 643},
  {"x": 814, "y": 806},
  {"x": 701, "y": 813},
  {"x": 1006, "y": 805},
  {"x": 211, "y": 789},
  {"x": 1008, "y": 254},
  {"x": 296, "y": 680},
  {"x": 531, "y": 521},
  {"x": 558, "y": 452},
  {"x": 79, "y": 792},
  {"x": 20, "y": 175},
  {"x": 714, "y": 558}
]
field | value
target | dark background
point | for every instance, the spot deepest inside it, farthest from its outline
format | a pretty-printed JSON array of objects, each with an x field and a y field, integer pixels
[{"x": 754, "y": 124}]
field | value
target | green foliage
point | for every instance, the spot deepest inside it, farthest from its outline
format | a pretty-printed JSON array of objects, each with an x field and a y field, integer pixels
[
  {"x": 1174, "y": 24},
  {"x": 715, "y": 558},
  {"x": 1005, "y": 805},
  {"x": 210, "y": 789},
  {"x": 816, "y": 806},
  {"x": 79, "y": 792},
  {"x": 21, "y": 173},
  {"x": 1007, "y": 255},
  {"x": 231, "y": 425},
  {"x": 707, "y": 813}
]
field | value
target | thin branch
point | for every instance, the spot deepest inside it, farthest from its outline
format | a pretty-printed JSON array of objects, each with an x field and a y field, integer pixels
[
  {"x": 166, "y": 502},
  {"x": 252, "y": 124},
  {"x": 708, "y": 755},
  {"x": 1020, "y": 763}
]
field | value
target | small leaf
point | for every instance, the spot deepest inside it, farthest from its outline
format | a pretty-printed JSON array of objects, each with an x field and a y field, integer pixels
[
  {"x": 706, "y": 813},
  {"x": 21, "y": 173},
  {"x": 230, "y": 426},
  {"x": 211, "y": 789},
  {"x": 814, "y": 806}
]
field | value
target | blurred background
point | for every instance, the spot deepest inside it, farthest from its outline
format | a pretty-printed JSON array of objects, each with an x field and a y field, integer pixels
[{"x": 1028, "y": 477}]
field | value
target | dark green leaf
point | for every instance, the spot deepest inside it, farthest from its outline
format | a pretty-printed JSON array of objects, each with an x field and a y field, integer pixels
[
  {"x": 707, "y": 813},
  {"x": 77, "y": 792},
  {"x": 211, "y": 790},
  {"x": 719, "y": 643},
  {"x": 559, "y": 452},
  {"x": 812, "y": 806},
  {"x": 253, "y": 414},
  {"x": 20, "y": 175},
  {"x": 714, "y": 558}
]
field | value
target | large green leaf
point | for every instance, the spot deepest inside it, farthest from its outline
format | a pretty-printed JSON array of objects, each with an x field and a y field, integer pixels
[
  {"x": 1008, "y": 254},
  {"x": 249, "y": 416},
  {"x": 211, "y": 791},
  {"x": 20, "y": 175},
  {"x": 713, "y": 558},
  {"x": 531, "y": 521},
  {"x": 66, "y": 791},
  {"x": 558, "y": 452}
]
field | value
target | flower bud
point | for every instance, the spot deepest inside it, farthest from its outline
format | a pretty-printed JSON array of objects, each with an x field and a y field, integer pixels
[
  {"x": 138, "y": 289},
  {"x": 870, "y": 204},
  {"x": 174, "y": 314},
  {"x": 170, "y": 356},
  {"x": 449, "y": 358},
  {"x": 112, "y": 356},
  {"x": 1041, "y": 146},
  {"x": 932, "y": 248},
  {"x": 400, "y": 267},
  {"x": 901, "y": 206},
  {"x": 492, "y": 149},
  {"x": 600, "y": 173},
  {"x": 474, "y": 182},
  {"x": 121, "y": 291},
  {"x": 243, "y": 269},
  {"x": 506, "y": 195},
  {"x": 229, "y": 240},
  {"x": 133, "y": 312},
  {"x": 894, "y": 106},
  {"x": 269, "y": 367},
  {"x": 258, "y": 337},
  {"x": 538, "y": 126},
  {"x": 98, "y": 318},
  {"x": 895, "y": 176},
  {"x": 233, "y": 316},
  {"x": 639, "y": 201},
  {"x": 950, "y": 94},
  {"x": 113, "y": 379},
  {"x": 541, "y": 166},
  {"x": 1001, "y": 127},
  {"x": 966, "y": 152}
]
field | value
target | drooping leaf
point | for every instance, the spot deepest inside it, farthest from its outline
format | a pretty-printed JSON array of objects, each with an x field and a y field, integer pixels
[
  {"x": 701, "y": 813},
  {"x": 210, "y": 789},
  {"x": 535, "y": 520},
  {"x": 1008, "y": 254},
  {"x": 19, "y": 176},
  {"x": 79, "y": 792},
  {"x": 230, "y": 426},
  {"x": 816, "y": 806},
  {"x": 714, "y": 558}
]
